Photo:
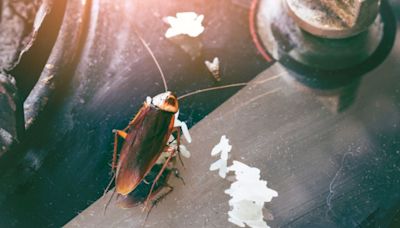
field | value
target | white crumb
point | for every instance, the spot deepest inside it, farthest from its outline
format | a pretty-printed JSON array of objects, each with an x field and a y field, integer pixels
[
  {"x": 185, "y": 23},
  {"x": 184, "y": 128},
  {"x": 148, "y": 100},
  {"x": 222, "y": 148},
  {"x": 213, "y": 67},
  {"x": 249, "y": 194}
]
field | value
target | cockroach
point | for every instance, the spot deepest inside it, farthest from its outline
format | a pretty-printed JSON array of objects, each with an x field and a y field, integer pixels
[
  {"x": 137, "y": 175},
  {"x": 145, "y": 138},
  {"x": 140, "y": 193}
]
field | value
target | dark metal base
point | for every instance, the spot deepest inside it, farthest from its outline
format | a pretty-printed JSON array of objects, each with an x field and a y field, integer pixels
[{"x": 322, "y": 62}]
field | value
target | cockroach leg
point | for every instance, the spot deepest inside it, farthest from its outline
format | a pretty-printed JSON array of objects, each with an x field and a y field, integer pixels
[
  {"x": 109, "y": 185},
  {"x": 158, "y": 177},
  {"x": 178, "y": 143},
  {"x": 123, "y": 135},
  {"x": 109, "y": 201},
  {"x": 158, "y": 199},
  {"x": 163, "y": 195},
  {"x": 176, "y": 173},
  {"x": 120, "y": 133},
  {"x": 114, "y": 161}
]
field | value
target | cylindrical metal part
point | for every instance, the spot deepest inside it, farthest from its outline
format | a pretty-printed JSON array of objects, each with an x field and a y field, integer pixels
[
  {"x": 284, "y": 37},
  {"x": 333, "y": 18}
]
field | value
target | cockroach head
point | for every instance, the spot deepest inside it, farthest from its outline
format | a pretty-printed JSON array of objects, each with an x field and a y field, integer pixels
[{"x": 166, "y": 101}]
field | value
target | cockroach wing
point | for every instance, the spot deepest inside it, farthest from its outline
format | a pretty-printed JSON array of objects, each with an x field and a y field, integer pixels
[
  {"x": 140, "y": 193},
  {"x": 146, "y": 139}
]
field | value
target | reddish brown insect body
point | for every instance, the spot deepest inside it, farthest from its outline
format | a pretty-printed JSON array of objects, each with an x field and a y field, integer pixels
[{"x": 146, "y": 138}]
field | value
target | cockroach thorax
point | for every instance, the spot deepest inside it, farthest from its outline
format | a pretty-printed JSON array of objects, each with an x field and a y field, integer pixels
[{"x": 166, "y": 101}]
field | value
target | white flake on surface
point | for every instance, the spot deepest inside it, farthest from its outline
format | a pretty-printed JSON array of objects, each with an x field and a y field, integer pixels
[
  {"x": 173, "y": 145},
  {"x": 163, "y": 158},
  {"x": 213, "y": 67},
  {"x": 249, "y": 194},
  {"x": 184, "y": 128},
  {"x": 148, "y": 100},
  {"x": 224, "y": 148},
  {"x": 182, "y": 148},
  {"x": 185, "y": 23},
  {"x": 184, "y": 151}
]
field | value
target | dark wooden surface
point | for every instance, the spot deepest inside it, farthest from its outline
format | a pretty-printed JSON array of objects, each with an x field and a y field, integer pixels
[{"x": 331, "y": 167}]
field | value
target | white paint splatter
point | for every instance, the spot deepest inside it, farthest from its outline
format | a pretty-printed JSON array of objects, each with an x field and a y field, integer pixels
[
  {"x": 224, "y": 148},
  {"x": 185, "y": 23}
]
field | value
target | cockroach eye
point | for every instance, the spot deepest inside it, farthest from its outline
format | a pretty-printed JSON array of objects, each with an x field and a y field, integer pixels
[{"x": 171, "y": 101}]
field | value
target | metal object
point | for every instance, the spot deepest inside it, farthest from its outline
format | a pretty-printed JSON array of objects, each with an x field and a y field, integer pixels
[
  {"x": 282, "y": 33},
  {"x": 330, "y": 169},
  {"x": 333, "y": 18}
]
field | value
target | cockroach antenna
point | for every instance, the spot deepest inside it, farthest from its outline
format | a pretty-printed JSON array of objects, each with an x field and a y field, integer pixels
[
  {"x": 109, "y": 185},
  {"x": 240, "y": 84},
  {"x": 105, "y": 192},
  {"x": 212, "y": 88},
  {"x": 109, "y": 201},
  {"x": 153, "y": 57}
]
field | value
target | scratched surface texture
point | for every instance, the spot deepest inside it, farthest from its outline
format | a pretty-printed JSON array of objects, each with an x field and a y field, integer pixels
[
  {"x": 102, "y": 75},
  {"x": 333, "y": 156}
]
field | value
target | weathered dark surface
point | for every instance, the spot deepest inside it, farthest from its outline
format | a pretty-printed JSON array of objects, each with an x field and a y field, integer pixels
[
  {"x": 16, "y": 26},
  {"x": 60, "y": 64},
  {"x": 330, "y": 168},
  {"x": 302, "y": 146},
  {"x": 63, "y": 165},
  {"x": 11, "y": 116}
]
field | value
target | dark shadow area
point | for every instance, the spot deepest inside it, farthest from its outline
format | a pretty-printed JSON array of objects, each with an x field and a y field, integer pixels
[{"x": 62, "y": 165}]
